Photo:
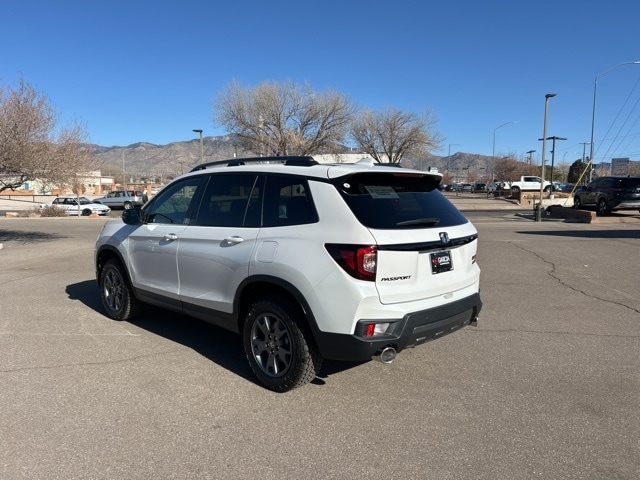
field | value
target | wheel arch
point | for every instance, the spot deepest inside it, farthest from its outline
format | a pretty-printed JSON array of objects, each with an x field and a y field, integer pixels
[
  {"x": 106, "y": 253},
  {"x": 260, "y": 286}
]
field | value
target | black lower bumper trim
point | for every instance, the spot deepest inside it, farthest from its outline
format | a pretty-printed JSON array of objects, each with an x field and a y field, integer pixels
[{"x": 414, "y": 329}]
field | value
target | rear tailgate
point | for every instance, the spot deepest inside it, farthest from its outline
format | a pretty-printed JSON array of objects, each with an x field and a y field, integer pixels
[{"x": 418, "y": 264}]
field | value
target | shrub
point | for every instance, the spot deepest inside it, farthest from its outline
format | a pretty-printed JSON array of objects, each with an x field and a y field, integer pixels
[{"x": 51, "y": 211}]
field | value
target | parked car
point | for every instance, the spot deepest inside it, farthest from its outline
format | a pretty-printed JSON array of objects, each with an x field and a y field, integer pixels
[
  {"x": 306, "y": 261},
  {"x": 528, "y": 183},
  {"x": 493, "y": 186},
  {"x": 123, "y": 199},
  {"x": 608, "y": 194},
  {"x": 466, "y": 187},
  {"x": 480, "y": 187},
  {"x": 69, "y": 204}
]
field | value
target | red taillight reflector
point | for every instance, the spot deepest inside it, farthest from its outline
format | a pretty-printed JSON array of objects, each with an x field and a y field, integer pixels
[
  {"x": 370, "y": 330},
  {"x": 359, "y": 261}
]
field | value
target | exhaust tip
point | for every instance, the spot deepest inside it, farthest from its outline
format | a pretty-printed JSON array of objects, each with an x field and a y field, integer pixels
[{"x": 387, "y": 355}]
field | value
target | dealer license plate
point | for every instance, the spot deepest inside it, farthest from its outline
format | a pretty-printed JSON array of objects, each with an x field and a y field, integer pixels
[{"x": 441, "y": 262}]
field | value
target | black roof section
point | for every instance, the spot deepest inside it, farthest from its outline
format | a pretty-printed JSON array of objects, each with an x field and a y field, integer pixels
[{"x": 299, "y": 161}]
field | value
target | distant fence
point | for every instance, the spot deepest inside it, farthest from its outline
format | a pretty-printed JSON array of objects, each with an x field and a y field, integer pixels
[{"x": 28, "y": 198}]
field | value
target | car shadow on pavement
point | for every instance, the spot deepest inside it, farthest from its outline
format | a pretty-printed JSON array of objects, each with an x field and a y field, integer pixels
[
  {"x": 613, "y": 234},
  {"x": 214, "y": 343},
  {"x": 27, "y": 237}
]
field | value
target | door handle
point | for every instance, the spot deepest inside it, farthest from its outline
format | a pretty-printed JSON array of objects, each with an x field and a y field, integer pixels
[
  {"x": 169, "y": 237},
  {"x": 233, "y": 240}
]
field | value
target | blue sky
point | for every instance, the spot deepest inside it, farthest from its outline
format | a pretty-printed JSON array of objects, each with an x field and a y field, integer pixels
[{"x": 148, "y": 70}]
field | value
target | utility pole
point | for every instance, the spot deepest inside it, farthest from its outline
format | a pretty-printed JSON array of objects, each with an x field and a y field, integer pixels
[
  {"x": 584, "y": 149},
  {"x": 553, "y": 153}
]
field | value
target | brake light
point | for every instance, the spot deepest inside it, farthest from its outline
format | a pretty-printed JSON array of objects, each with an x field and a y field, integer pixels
[{"x": 359, "y": 261}]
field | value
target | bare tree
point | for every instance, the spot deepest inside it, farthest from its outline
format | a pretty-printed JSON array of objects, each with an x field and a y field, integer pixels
[
  {"x": 275, "y": 119},
  {"x": 508, "y": 169},
  {"x": 391, "y": 134},
  {"x": 634, "y": 168},
  {"x": 70, "y": 159},
  {"x": 30, "y": 146}
]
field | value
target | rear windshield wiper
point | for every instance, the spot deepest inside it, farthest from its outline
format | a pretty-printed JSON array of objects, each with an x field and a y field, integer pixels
[{"x": 419, "y": 221}]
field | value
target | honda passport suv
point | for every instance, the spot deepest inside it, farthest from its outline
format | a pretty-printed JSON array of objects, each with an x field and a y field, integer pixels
[{"x": 306, "y": 261}]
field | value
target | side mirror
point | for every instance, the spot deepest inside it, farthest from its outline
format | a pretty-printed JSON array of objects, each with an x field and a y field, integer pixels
[{"x": 132, "y": 216}]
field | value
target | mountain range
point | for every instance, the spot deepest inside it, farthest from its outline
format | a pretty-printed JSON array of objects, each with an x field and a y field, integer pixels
[{"x": 146, "y": 160}]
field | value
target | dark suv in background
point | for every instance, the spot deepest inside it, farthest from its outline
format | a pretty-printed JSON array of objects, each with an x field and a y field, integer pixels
[{"x": 609, "y": 193}]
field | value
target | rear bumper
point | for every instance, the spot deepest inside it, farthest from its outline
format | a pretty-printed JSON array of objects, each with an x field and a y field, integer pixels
[
  {"x": 413, "y": 329},
  {"x": 627, "y": 205}
]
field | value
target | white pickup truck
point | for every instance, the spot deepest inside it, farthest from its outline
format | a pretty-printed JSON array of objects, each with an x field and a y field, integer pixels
[{"x": 528, "y": 183}]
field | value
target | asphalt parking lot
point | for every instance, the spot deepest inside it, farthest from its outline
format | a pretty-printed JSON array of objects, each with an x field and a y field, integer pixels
[{"x": 547, "y": 386}]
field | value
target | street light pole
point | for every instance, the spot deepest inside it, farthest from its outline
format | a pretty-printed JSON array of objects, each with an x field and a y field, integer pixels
[
  {"x": 553, "y": 152},
  {"x": 449, "y": 156},
  {"x": 201, "y": 145},
  {"x": 530, "y": 152},
  {"x": 493, "y": 154},
  {"x": 544, "y": 149},
  {"x": 124, "y": 175},
  {"x": 593, "y": 115}
]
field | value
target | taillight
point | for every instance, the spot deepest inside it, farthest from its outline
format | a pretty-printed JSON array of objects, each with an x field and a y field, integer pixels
[{"x": 359, "y": 261}]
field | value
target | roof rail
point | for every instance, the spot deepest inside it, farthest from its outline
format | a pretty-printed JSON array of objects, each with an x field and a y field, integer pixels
[{"x": 299, "y": 161}]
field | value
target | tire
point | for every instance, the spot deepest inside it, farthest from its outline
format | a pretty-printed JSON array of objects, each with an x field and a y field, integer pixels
[
  {"x": 515, "y": 190},
  {"x": 547, "y": 188},
  {"x": 86, "y": 212},
  {"x": 603, "y": 208},
  {"x": 577, "y": 203},
  {"x": 116, "y": 292},
  {"x": 127, "y": 205},
  {"x": 278, "y": 346}
]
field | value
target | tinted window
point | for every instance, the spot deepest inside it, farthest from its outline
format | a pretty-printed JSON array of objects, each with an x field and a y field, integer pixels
[
  {"x": 228, "y": 199},
  {"x": 287, "y": 201},
  {"x": 175, "y": 204},
  {"x": 629, "y": 183},
  {"x": 398, "y": 200}
]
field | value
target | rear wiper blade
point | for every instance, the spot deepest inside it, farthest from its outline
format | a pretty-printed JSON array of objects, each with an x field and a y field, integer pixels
[{"x": 419, "y": 221}]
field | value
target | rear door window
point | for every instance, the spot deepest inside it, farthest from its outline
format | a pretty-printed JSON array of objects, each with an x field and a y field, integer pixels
[
  {"x": 230, "y": 201},
  {"x": 398, "y": 200}
]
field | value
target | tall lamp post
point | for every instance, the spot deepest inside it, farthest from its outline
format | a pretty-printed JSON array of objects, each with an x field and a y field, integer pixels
[
  {"x": 553, "y": 152},
  {"x": 593, "y": 115},
  {"x": 493, "y": 154},
  {"x": 544, "y": 149},
  {"x": 449, "y": 156},
  {"x": 201, "y": 145},
  {"x": 530, "y": 152},
  {"x": 124, "y": 175}
]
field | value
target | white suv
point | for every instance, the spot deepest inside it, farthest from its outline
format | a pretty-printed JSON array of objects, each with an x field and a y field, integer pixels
[{"x": 305, "y": 260}]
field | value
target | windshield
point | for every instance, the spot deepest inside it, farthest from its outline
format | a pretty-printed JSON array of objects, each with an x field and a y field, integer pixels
[{"x": 398, "y": 200}]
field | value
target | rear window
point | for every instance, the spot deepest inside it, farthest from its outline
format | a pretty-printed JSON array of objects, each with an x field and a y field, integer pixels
[
  {"x": 398, "y": 200},
  {"x": 629, "y": 183}
]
